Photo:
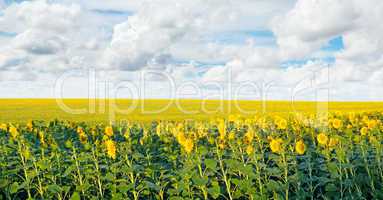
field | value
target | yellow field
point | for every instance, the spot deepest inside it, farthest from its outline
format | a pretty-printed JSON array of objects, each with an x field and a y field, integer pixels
[
  {"x": 22, "y": 110},
  {"x": 338, "y": 155}
]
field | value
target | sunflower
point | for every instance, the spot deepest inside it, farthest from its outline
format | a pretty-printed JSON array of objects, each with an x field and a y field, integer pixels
[
  {"x": 14, "y": 132},
  {"x": 83, "y": 137},
  {"x": 189, "y": 145},
  {"x": 41, "y": 137},
  {"x": 109, "y": 131},
  {"x": 110, "y": 149},
  {"x": 4, "y": 127},
  {"x": 127, "y": 134},
  {"x": 249, "y": 136},
  {"x": 221, "y": 145},
  {"x": 365, "y": 118},
  {"x": 337, "y": 123},
  {"x": 322, "y": 138},
  {"x": 79, "y": 130},
  {"x": 232, "y": 118},
  {"x": 364, "y": 131},
  {"x": 201, "y": 131},
  {"x": 351, "y": 116},
  {"x": 222, "y": 130},
  {"x": 231, "y": 135},
  {"x": 300, "y": 147},
  {"x": 249, "y": 150},
  {"x": 333, "y": 142},
  {"x": 276, "y": 145},
  {"x": 282, "y": 124},
  {"x": 159, "y": 129},
  {"x": 30, "y": 125},
  {"x": 181, "y": 138},
  {"x": 371, "y": 124}
]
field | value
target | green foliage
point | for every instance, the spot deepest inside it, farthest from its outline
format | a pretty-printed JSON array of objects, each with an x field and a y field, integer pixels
[{"x": 51, "y": 161}]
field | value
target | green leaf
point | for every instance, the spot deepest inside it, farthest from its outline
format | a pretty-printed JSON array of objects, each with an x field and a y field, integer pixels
[
  {"x": 247, "y": 170},
  {"x": 117, "y": 197},
  {"x": 175, "y": 198},
  {"x": 138, "y": 156},
  {"x": 14, "y": 187},
  {"x": 330, "y": 187},
  {"x": 42, "y": 165},
  {"x": 32, "y": 174},
  {"x": 3, "y": 183},
  {"x": 127, "y": 169},
  {"x": 275, "y": 171},
  {"x": 200, "y": 181},
  {"x": 210, "y": 163},
  {"x": 214, "y": 190},
  {"x": 273, "y": 186},
  {"x": 109, "y": 177},
  {"x": 54, "y": 188},
  {"x": 233, "y": 164},
  {"x": 124, "y": 188},
  {"x": 68, "y": 170},
  {"x": 203, "y": 150},
  {"x": 152, "y": 186},
  {"x": 75, "y": 196},
  {"x": 235, "y": 181},
  {"x": 333, "y": 169}
]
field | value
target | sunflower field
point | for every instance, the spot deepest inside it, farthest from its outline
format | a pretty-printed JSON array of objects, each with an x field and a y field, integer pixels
[{"x": 336, "y": 156}]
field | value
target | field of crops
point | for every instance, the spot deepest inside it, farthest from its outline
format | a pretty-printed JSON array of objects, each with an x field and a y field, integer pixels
[
  {"x": 296, "y": 156},
  {"x": 100, "y": 110}
]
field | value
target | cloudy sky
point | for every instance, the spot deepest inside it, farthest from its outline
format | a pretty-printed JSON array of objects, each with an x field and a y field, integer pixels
[{"x": 246, "y": 49}]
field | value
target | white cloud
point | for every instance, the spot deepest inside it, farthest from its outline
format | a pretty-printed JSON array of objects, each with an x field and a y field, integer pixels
[
  {"x": 311, "y": 23},
  {"x": 50, "y": 37},
  {"x": 111, "y": 5},
  {"x": 187, "y": 40},
  {"x": 362, "y": 56},
  {"x": 36, "y": 14},
  {"x": 38, "y": 42},
  {"x": 157, "y": 26}
]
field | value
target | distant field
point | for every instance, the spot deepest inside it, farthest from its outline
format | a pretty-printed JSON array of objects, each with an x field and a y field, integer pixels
[{"x": 22, "y": 110}]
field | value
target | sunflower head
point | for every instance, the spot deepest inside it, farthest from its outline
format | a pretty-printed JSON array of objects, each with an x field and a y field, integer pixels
[
  {"x": 222, "y": 129},
  {"x": 110, "y": 149},
  {"x": 282, "y": 124},
  {"x": 189, "y": 145},
  {"x": 79, "y": 130},
  {"x": 109, "y": 131},
  {"x": 276, "y": 145},
  {"x": 231, "y": 135},
  {"x": 14, "y": 132},
  {"x": 181, "y": 138},
  {"x": 249, "y": 136},
  {"x": 322, "y": 138},
  {"x": 364, "y": 131},
  {"x": 4, "y": 127},
  {"x": 333, "y": 142},
  {"x": 300, "y": 147},
  {"x": 249, "y": 150},
  {"x": 30, "y": 125},
  {"x": 83, "y": 137},
  {"x": 371, "y": 124},
  {"x": 337, "y": 123}
]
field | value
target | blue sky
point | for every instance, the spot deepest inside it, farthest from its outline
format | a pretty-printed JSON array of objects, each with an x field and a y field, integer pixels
[{"x": 279, "y": 41}]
